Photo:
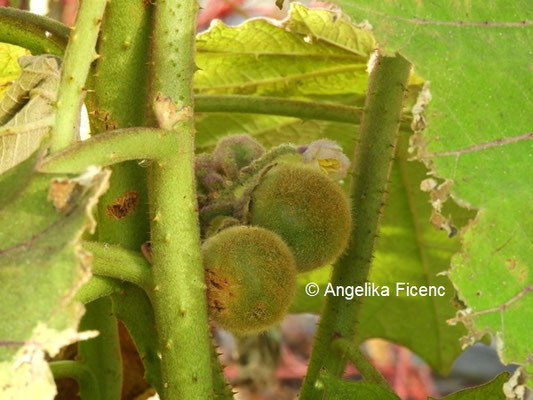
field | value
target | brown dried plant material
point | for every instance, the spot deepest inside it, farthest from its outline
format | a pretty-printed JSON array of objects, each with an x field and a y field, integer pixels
[
  {"x": 62, "y": 193},
  {"x": 123, "y": 205},
  {"x": 134, "y": 384}
]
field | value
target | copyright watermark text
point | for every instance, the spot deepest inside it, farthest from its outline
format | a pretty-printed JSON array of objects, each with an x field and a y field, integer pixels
[
  {"x": 370, "y": 289},
  {"x": 312, "y": 289}
]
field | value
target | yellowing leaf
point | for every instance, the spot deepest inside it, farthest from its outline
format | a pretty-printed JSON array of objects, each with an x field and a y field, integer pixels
[
  {"x": 312, "y": 53},
  {"x": 41, "y": 267},
  {"x": 9, "y": 67}
]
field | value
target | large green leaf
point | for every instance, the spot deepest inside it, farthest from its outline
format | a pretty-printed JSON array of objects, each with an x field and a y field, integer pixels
[
  {"x": 477, "y": 56},
  {"x": 41, "y": 268},
  {"x": 333, "y": 28},
  {"x": 338, "y": 389},
  {"x": 314, "y": 52},
  {"x": 409, "y": 250},
  {"x": 489, "y": 391}
]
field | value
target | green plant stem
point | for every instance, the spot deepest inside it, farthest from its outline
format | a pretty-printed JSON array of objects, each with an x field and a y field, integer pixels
[
  {"x": 102, "y": 353},
  {"x": 81, "y": 373},
  {"x": 96, "y": 288},
  {"x": 118, "y": 263},
  {"x": 347, "y": 349},
  {"x": 79, "y": 54},
  {"x": 110, "y": 148},
  {"x": 370, "y": 169},
  {"x": 110, "y": 266},
  {"x": 28, "y": 30},
  {"x": 277, "y": 106},
  {"x": 180, "y": 304},
  {"x": 116, "y": 99}
]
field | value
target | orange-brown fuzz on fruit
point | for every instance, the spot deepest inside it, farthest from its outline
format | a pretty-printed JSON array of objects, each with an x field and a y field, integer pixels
[
  {"x": 250, "y": 276},
  {"x": 307, "y": 210}
]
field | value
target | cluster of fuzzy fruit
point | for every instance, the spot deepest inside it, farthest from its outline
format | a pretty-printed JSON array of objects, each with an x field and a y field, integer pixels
[{"x": 265, "y": 216}]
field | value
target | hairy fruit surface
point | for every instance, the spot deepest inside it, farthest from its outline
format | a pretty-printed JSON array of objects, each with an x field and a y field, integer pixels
[
  {"x": 307, "y": 209},
  {"x": 250, "y": 276},
  {"x": 235, "y": 152}
]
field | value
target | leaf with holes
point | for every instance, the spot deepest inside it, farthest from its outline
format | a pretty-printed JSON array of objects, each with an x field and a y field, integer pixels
[
  {"x": 476, "y": 132},
  {"x": 410, "y": 250},
  {"x": 491, "y": 390},
  {"x": 41, "y": 268}
]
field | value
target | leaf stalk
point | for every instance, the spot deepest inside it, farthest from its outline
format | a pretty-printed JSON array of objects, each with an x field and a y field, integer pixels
[
  {"x": 121, "y": 264},
  {"x": 96, "y": 288},
  {"x": 79, "y": 55},
  {"x": 36, "y": 33},
  {"x": 349, "y": 350},
  {"x": 81, "y": 373},
  {"x": 368, "y": 188},
  {"x": 110, "y": 148},
  {"x": 278, "y": 106}
]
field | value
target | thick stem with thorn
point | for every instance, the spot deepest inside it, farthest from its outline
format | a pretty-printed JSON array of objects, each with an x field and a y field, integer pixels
[
  {"x": 78, "y": 57},
  {"x": 371, "y": 166},
  {"x": 179, "y": 297}
]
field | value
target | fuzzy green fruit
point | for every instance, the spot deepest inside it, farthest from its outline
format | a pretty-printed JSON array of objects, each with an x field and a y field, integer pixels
[
  {"x": 307, "y": 209},
  {"x": 250, "y": 277}
]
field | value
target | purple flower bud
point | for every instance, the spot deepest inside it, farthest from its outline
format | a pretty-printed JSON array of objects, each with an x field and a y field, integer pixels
[
  {"x": 301, "y": 149},
  {"x": 213, "y": 182},
  {"x": 203, "y": 166}
]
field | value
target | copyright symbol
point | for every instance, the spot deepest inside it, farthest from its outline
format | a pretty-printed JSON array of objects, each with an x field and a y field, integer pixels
[{"x": 312, "y": 289}]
